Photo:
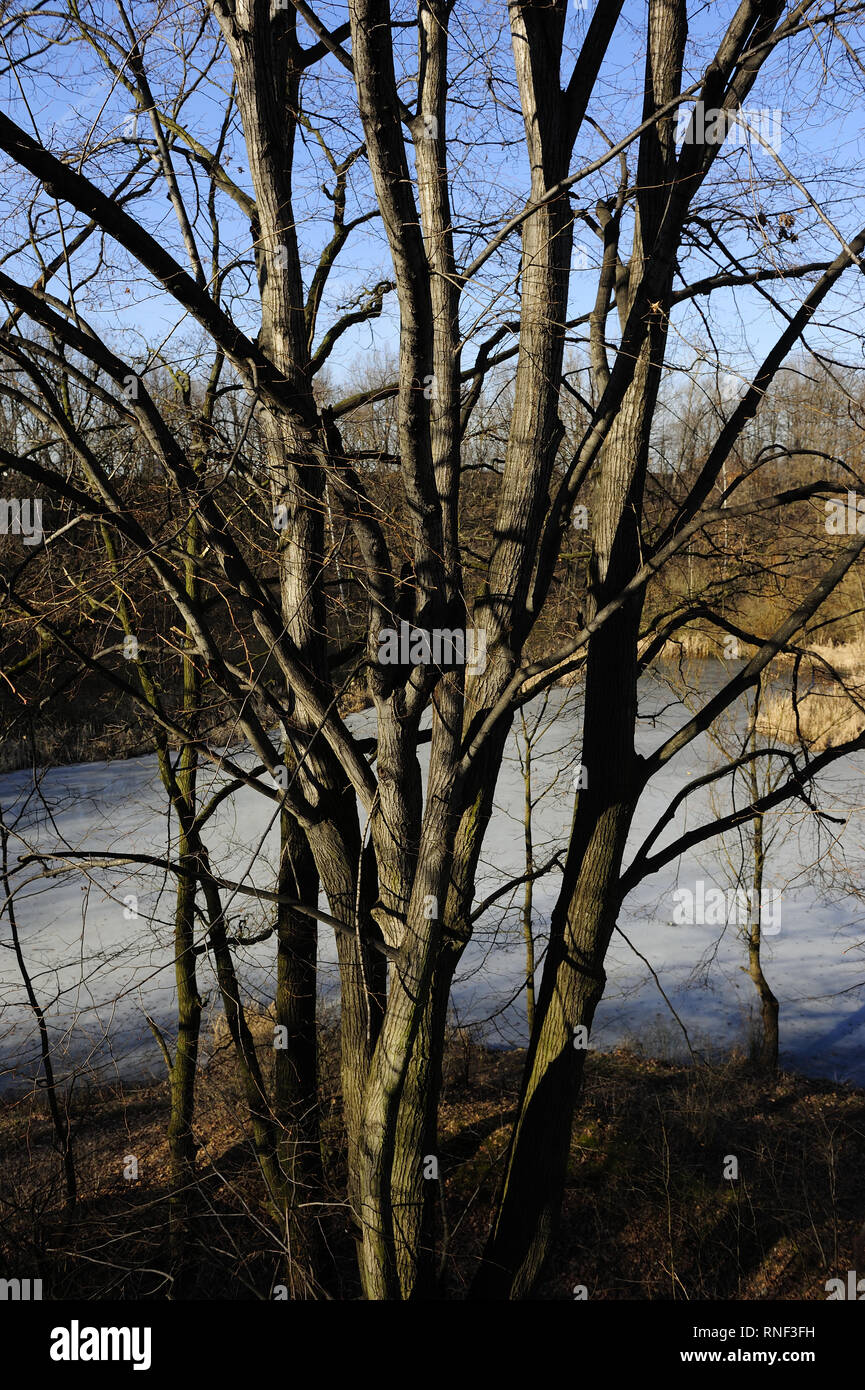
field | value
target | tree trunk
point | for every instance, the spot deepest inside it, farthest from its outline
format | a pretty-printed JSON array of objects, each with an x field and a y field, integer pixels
[
  {"x": 181, "y": 1143},
  {"x": 296, "y": 1106},
  {"x": 528, "y": 890},
  {"x": 573, "y": 979},
  {"x": 767, "y": 1050},
  {"x": 585, "y": 914}
]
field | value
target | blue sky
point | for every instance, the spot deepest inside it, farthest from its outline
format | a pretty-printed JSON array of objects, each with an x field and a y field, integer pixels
[{"x": 69, "y": 95}]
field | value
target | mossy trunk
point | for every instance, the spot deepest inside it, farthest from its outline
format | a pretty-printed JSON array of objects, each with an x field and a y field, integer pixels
[
  {"x": 766, "y": 1052},
  {"x": 181, "y": 1143},
  {"x": 573, "y": 979},
  {"x": 296, "y": 1106}
]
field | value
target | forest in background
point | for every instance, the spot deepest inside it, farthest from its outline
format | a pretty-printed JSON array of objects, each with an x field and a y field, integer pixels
[{"x": 325, "y": 323}]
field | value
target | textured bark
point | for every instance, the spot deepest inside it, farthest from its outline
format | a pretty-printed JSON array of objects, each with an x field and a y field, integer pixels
[
  {"x": 585, "y": 914},
  {"x": 528, "y": 890},
  {"x": 767, "y": 1049},
  {"x": 411, "y": 847},
  {"x": 416, "y": 1198},
  {"x": 397, "y": 866},
  {"x": 296, "y": 1079},
  {"x": 181, "y": 790},
  {"x": 181, "y": 1143},
  {"x": 268, "y": 64},
  {"x": 295, "y": 1100},
  {"x": 392, "y": 1201},
  {"x": 572, "y": 984},
  {"x": 535, "y": 430}
]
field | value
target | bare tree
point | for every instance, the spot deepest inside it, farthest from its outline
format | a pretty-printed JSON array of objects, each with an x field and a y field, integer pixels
[{"x": 378, "y": 107}]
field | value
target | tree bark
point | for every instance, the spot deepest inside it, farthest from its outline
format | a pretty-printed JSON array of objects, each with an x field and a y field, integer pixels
[
  {"x": 586, "y": 910},
  {"x": 767, "y": 1051}
]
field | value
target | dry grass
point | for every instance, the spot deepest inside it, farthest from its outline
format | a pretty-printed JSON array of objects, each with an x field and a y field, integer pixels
[
  {"x": 847, "y": 658},
  {"x": 820, "y": 719},
  {"x": 826, "y": 714},
  {"x": 699, "y": 644},
  {"x": 692, "y": 644},
  {"x": 647, "y": 1213}
]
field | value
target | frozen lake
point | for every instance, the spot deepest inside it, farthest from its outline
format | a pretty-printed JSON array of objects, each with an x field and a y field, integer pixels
[{"x": 97, "y": 969}]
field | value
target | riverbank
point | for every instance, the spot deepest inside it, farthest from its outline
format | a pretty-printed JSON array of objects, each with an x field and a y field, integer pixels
[{"x": 648, "y": 1212}]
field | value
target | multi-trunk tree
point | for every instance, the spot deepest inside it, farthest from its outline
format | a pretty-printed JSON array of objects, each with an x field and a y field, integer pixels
[{"x": 370, "y": 128}]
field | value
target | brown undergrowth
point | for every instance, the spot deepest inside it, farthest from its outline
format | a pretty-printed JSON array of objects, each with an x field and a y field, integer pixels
[{"x": 648, "y": 1212}]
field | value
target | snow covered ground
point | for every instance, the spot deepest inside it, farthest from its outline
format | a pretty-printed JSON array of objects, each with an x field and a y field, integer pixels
[{"x": 97, "y": 968}]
